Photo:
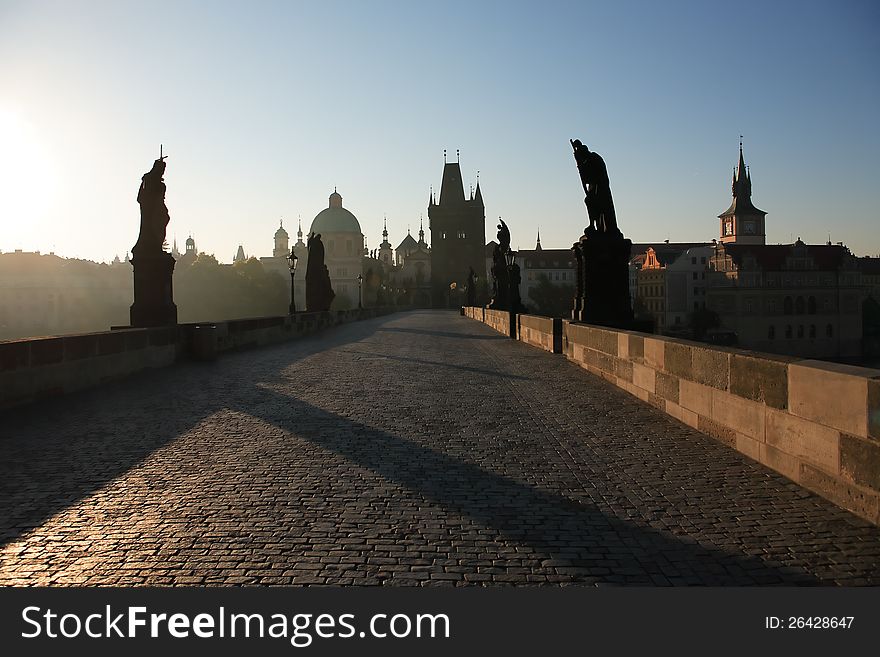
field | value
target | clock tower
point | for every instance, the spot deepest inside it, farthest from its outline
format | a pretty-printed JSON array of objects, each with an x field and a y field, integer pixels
[{"x": 742, "y": 222}]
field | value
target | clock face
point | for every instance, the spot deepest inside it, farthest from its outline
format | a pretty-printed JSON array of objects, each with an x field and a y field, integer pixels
[{"x": 750, "y": 227}]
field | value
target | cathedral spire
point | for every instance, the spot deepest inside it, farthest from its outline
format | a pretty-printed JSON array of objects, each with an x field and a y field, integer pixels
[
  {"x": 421, "y": 229},
  {"x": 538, "y": 245}
]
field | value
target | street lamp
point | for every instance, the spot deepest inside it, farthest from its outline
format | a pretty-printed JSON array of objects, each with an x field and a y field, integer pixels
[
  {"x": 291, "y": 262},
  {"x": 509, "y": 256},
  {"x": 360, "y": 294}
]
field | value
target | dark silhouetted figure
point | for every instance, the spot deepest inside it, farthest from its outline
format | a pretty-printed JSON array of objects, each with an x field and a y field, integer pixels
[
  {"x": 602, "y": 253},
  {"x": 594, "y": 178},
  {"x": 319, "y": 291},
  {"x": 500, "y": 275},
  {"x": 153, "y": 267},
  {"x": 472, "y": 288}
]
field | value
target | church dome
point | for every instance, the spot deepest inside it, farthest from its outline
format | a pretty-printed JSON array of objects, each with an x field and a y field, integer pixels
[
  {"x": 281, "y": 233},
  {"x": 335, "y": 219}
]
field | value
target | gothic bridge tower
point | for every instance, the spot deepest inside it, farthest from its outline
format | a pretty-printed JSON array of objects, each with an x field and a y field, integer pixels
[{"x": 458, "y": 235}]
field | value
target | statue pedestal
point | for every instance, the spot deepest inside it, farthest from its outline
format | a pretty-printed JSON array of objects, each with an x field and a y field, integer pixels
[
  {"x": 153, "y": 293},
  {"x": 603, "y": 269}
]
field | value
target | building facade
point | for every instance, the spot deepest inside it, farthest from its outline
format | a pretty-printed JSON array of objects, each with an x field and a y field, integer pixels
[{"x": 343, "y": 250}]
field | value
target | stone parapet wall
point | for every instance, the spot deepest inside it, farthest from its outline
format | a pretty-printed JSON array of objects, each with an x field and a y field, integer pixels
[
  {"x": 816, "y": 422},
  {"x": 38, "y": 368},
  {"x": 500, "y": 320},
  {"x": 543, "y": 332}
]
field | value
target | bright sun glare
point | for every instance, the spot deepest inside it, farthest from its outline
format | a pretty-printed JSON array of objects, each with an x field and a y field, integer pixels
[{"x": 27, "y": 181}]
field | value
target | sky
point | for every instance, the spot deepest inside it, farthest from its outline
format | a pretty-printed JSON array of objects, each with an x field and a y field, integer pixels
[{"x": 264, "y": 107}]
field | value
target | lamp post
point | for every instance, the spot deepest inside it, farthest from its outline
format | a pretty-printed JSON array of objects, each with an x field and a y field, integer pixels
[
  {"x": 291, "y": 261},
  {"x": 360, "y": 293}
]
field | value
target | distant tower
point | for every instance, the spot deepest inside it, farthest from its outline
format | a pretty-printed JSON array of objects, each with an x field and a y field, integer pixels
[
  {"x": 538, "y": 245},
  {"x": 239, "y": 255},
  {"x": 385, "y": 250},
  {"x": 422, "y": 232},
  {"x": 458, "y": 234},
  {"x": 299, "y": 234},
  {"x": 742, "y": 222},
  {"x": 190, "y": 246},
  {"x": 282, "y": 243}
]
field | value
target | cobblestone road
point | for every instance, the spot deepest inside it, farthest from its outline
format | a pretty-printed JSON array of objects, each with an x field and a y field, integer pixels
[{"x": 415, "y": 449}]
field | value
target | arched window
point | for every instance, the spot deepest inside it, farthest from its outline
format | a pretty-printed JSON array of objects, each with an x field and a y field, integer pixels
[
  {"x": 787, "y": 306},
  {"x": 771, "y": 332},
  {"x": 811, "y": 305},
  {"x": 788, "y": 331},
  {"x": 829, "y": 331},
  {"x": 800, "y": 330},
  {"x": 799, "y": 306},
  {"x": 812, "y": 330}
]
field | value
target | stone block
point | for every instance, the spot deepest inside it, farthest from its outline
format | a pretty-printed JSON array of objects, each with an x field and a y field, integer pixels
[
  {"x": 77, "y": 347},
  {"x": 782, "y": 462},
  {"x": 748, "y": 446},
  {"x": 763, "y": 379},
  {"x": 655, "y": 352},
  {"x": 136, "y": 339},
  {"x": 605, "y": 362},
  {"x": 860, "y": 461},
  {"x": 864, "y": 503},
  {"x": 14, "y": 355},
  {"x": 874, "y": 409},
  {"x": 745, "y": 416},
  {"x": 623, "y": 345},
  {"x": 678, "y": 360},
  {"x": 605, "y": 341},
  {"x": 643, "y": 377},
  {"x": 46, "y": 351},
  {"x": 657, "y": 401},
  {"x": 112, "y": 342},
  {"x": 636, "y": 348},
  {"x": 806, "y": 440},
  {"x": 695, "y": 397},
  {"x": 623, "y": 369},
  {"x": 719, "y": 432},
  {"x": 831, "y": 394},
  {"x": 666, "y": 385},
  {"x": 682, "y": 414},
  {"x": 711, "y": 367}
]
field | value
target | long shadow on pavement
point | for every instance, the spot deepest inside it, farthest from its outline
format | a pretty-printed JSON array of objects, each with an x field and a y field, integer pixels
[{"x": 107, "y": 431}]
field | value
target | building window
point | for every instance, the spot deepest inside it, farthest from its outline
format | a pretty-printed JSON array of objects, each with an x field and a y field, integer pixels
[
  {"x": 695, "y": 273},
  {"x": 771, "y": 305},
  {"x": 788, "y": 331},
  {"x": 812, "y": 330},
  {"x": 748, "y": 305},
  {"x": 696, "y": 305},
  {"x": 799, "y": 306},
  {"x": 811, "y": 306},
  {"x": 771, "y": 332},
  {"x": 787, "y": 307},
  {"x": 703, "y": 260},
  {"x": 693, "y": 260},
  {"x": 442, "y": 236},
  {"x": 800, "y": 330},
  {"x": 829, "y": 331}
]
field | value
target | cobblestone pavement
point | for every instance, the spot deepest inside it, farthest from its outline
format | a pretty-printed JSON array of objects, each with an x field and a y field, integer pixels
[{"x": 415, "y": 449}]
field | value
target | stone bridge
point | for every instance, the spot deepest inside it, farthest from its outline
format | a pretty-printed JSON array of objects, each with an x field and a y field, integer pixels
[{"x": 421, "y": 448}]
